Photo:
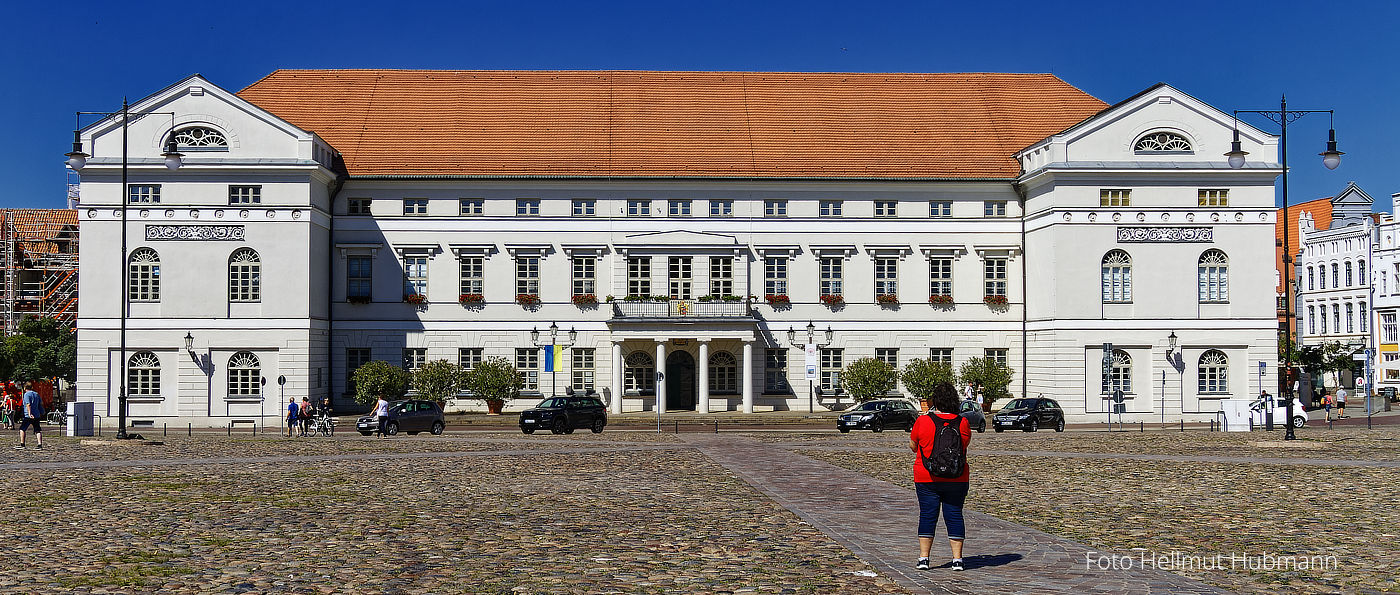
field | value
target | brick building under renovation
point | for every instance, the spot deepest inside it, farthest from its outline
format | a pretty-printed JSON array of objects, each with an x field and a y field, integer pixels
[{"x": 41, "y": 265}]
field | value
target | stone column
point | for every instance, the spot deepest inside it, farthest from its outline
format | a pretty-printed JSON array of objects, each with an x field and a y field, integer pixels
[
  {"x": 703, "y": 404},
  {"x": 746, "y": 376},
  {"x": 661, "y": 376},
  {"x": 616, "y": 380}
]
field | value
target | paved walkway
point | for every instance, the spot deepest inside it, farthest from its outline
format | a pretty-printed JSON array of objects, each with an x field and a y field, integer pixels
[
  {"x": 877, "y": 520},
  {"x": 1062, "y": 454}
]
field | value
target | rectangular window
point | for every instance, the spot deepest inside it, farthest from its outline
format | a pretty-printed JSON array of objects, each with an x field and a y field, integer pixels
[
  {"x": 1348, "y": 270},
  {"x": 679, "y": 277},
  {"x": 527, "y": 275},
  {"x": 638, "y": 208},
  {"x": 940, "y": 208},
  {"x": 1361, "y": 316},
  {"x": 639, "y": 276},
  {"x": 830, "y": 372},
  {"x": 1336, "y": 318},
  {"x": 678, "y": 208},
  {"x": 940, "y": 275},
  {"x": 472, "y": 207},
  {"x": 357, "y": 206},
  {"x": 585, "y": 207},
  {"x": 721, "y": 208},
  {"x": 1322, "y": 319},
  {"x": 829, "y": 208},
  {"x": 468, "y": 357},
  {"x": 584, "y": 275},
  {"x": 994, "y": 208},
  {"x": 1310, "y": 278},
  {"x": 886, "y": 208},
  {"x": 831, "y": 275},
  {"x": 889, "y": 355},
  {"x": 1115, "y": 198},
  {"x": 415, "y": 206},
  {"x": 996, "y": 355},
  {"x": 414, "y": 358},
  {"x": 775, "y": 276},
  {"x": 721, "y": 275},
  {"x": 143, "y": 193},
  {"x": 1213, "y": 198},
  {"x": 994, "y": 277},
  {"x": 1336, "y": 279},
  {"x": 1312, "y": 320},
  {"x": 473, "y": 275},
  {"x": 527, "y": 207},
  {"x": 244, "y": 195},
  {"x": 775, "y": 379},
  {"x": 354, "y": 358},
  {"x": 1388, "y": 328},
  {"x": 886, "y": 276},
  {"x": 359, "y": 277},
  {"x": 942, "y": 355},
  {"x": 581, "y": 368},
  {"x": 415, "y": 275},
  {"x": 527, "y": 364},
  {"x": 775, "y": 208},
  {"x": 1351, "y": 318}
]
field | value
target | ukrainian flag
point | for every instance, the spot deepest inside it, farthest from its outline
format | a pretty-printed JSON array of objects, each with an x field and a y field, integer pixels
[{"x": 553, "y": 361}]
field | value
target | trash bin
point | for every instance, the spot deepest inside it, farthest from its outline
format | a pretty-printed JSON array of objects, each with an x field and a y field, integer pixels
[
  {"x": 80, "y": 418},
  {"x": 1237, "y": 414}
]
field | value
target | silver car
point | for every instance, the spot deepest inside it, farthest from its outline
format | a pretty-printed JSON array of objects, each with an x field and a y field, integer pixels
[{"x": 975, "y": 419}]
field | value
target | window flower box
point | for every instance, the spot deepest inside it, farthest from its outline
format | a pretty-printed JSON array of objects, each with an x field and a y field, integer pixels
[
  {"x": 778, "y": 300},
  {"x": 471, "y": 299},
  {"x": 415, "y": 298},
  {"x": 359, "y": 299},
  {"x": 887, "y": 299},
  {"x": 940, "y": 300},
  {"x": 527, "y": 299},
  {"x": 995, "y": 300},
  {"x": 585, "y": 299},
  {"x": 715, "y": 297},
  {"x": 833, "y": 300}
]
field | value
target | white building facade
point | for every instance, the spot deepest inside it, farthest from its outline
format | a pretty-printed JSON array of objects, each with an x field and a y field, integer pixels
[
  {"x": 1335, "y": 267},
  {"x": 282, "y": 253}
]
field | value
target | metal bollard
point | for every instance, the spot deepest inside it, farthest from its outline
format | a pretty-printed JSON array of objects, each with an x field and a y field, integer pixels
[
  {"x": 1183, "y": 425},
  {"x": 229, "y": 429},
  {"x": 162, "y": 430},
  {"x": 678, "y": 427},
  {"x": 716, "y": 426},
  {"x": 189, "y": 430},
  {"x": 1141, "y": 429}
]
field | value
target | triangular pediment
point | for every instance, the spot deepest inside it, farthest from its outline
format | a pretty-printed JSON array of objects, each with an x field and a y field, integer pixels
[{"x": 1352, "y": 195}]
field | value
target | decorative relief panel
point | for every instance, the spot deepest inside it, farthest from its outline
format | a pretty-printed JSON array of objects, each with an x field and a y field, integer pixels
[
  {"x": 231, "y": 233},
  {"x": 1166, "y": 234}
]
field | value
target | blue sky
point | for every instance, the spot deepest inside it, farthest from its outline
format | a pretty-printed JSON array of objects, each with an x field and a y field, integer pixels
[{"x": 61, "y": 57}]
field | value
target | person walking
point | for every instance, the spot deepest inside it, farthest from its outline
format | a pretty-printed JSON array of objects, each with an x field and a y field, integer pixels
[
  {"x": 305, "y": 412},
  {"x": 12, "y": 406},
  {"x": 1327, "y": 404},
  {"x": 291, "y": 416},
  {"x": 33, "y": 412},
  {"x": 937, "y": 492},
  {"x": 1341, "y": 403},
  {"x": 381, "y": 411}
]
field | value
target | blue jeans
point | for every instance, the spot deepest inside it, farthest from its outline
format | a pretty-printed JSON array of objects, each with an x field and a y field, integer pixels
[{"x": 947, "y": 494}]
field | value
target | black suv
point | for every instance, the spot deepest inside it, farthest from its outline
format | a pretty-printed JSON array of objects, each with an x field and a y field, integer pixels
[
  {"x": 563, "y": 415},
  {"x": 878, "y": 415},
  {"x": 1030, "y": 415},
  {"x": 410, "y": 417}
]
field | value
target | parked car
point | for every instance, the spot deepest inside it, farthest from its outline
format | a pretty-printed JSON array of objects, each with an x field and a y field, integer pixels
[
  {"x": 975, "y": 418},
  {"x": 1030, "y": 415},
  {"x": 563, "y": 415},
  {"x": 1258, "y": 409},
  {"x": 878, "y": 415},
  {"x": 410, "y": 417}
]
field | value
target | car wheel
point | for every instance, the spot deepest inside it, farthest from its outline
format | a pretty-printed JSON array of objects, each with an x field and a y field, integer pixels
[
  {"x": 365, "y": 433},
  {"x": 1299, "y": 421},
  {"x": 438, "y": 427},
  {"x": 392, "y": 428},
  {"x": 983, "y": 427},
  {"x": 559, "y": 426},
  {"x": 569, "y": 430},
  {"x": 1060, "y": 427},
  {"x": 844, "y": 430},
  {"x": 1035, "y": 425},
  {"x": 598, "y": 426},
  {"x": 528, "y": 430},
  {"x": 909, "y": 427},
  {"x": 876, "y": 426}
]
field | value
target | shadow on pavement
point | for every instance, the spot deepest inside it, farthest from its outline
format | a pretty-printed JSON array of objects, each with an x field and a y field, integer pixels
[{"x": 987, "y": 560}]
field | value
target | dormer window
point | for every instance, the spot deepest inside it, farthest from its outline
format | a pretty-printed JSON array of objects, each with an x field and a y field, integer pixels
[
  {"x": 200, "y": 138},
  {"x": 1158, "y": 142}
]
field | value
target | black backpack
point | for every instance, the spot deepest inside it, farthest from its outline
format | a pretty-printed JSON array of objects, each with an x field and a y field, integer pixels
[{"x": 946, "y": 459}]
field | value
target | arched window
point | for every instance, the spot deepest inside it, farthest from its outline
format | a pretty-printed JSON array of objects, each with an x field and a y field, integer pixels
[
  {"x": 1336, "y": 280},
  {"x": 1120, "y": 373},
  {"x": 724, "y": 373},
  {"x": 1310, "y": 278},
  {"x": 1351, "y": 317},
  {"x": 1213, "y": 277},
  {"x": 143, "y": 375},
  {"x": 1212, "y": 373},
  {"x": 244, "y": 375},
  {"x": 639, "y": 372},
  {"x": 1162, "y": 141},
  {"x": 1361, "y": 273},
  {"x": 244, "y": 276},
  {"x": 1348, "y": 271},
  {"x": 143, "y": 279},
  {"x": 1312, "y": 321},
  {"x": 1117, "y": 279},
  {"x": 200, "y": 138}
]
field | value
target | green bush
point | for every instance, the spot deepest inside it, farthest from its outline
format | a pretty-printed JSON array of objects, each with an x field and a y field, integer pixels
[
  {"x": 987, "y": 373},
  {"x": 438, "y": 380},
  {"x": 380, "y": 378},
  {"x": 921, "y": 375},
  {"x": 867, "y": 379},
  {"x": 494, "y": 379}
]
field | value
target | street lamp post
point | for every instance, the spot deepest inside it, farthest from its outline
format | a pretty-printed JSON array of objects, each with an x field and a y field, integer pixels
[
  {"x": 553, "y": 342},
  {"x": 77, "y": 159},
  {"x": 1331, "y": 158},
  {"x": 811, "y": 338}
]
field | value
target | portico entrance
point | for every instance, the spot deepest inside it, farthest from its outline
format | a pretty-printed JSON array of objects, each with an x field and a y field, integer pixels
[{"x": 680, "y": 381}]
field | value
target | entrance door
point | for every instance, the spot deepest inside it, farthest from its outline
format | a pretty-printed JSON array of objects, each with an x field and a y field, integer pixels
[{"x": 680, "y": 381}]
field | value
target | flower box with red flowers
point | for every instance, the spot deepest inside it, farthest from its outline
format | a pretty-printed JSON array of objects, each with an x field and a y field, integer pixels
[
  {"x": 527, "y": 299},
  {"x": 994, "y": 300},
  {"x": 585, "y": 299},
  {"x": 777, "y": 299},
  {"x": 887, "y": 299},
  {"x": 940, "y": 300},
  {"x": 833, "y": 299},
  {"x": 471, "y": 299},
  {"x": 415, "y": 298}
]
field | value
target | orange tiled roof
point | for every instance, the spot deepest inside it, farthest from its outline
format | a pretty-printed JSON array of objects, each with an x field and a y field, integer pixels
[
  {"x": 705, "y": 124},
  {"x": 35, "y": 229},
  {"x": 1321, "y": 211}
]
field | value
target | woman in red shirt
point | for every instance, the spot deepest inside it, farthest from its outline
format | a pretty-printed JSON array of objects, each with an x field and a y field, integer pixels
[{"x": 940, "y": 492}]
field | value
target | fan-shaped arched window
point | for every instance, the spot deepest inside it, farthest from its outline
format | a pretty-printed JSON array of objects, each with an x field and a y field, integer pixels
[
  {"x": 244, "y": 376},
  {"x": 143, "y": 375},
  {"x": 200, "y": 138},
  {"x": 143, "y": 278},
  {"x": 1162, "y": 141},
  {"x": 1120, "y": 373},
  {"x": 639, "y": 372},
  {"x": 1212, "y": 373},
  {"x": 724, "y": 373},
  {"x": 244, "y": 276},
  {"x": 1117, "y": 277},
  {"x": 1213, "y": 277}
]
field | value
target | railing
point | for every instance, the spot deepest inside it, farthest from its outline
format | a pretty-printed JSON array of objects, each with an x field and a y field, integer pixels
[{"x": 681, "y": 309}]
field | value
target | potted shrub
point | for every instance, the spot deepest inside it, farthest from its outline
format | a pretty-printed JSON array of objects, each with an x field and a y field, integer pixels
[
  {"x": 529, "y": 300},
  {"x": 707, "y": 298},
  {"x": 921, "y": 375},
  {"x": 730, "y": 298},
  {"x": 867, "y": 379},
  {"x": 777, "y": 300},
  {"x": 471, "y": 299},
  {"x": 994, "y": 300},
  {"x": 940, "y": 300},
  {"x": 833, "y": 300},
  {"x": 662, "y": 298},
  {"x": 415, "y": 298},
  {"x": 633, "y": 297},
  {"x": 494, "y": 381},
  {"x": 585, "y": 299},
  {"x": 380, "y": 378},
  {"x": 438, "y": 380},
  {"x": 887, "y": 299}
]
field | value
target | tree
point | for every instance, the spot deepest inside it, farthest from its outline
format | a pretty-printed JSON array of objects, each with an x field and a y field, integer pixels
[
  {"x": 494, "y": 379},
  {"x": 991, "y": 375},
  {"x": 867, "y": 379},
  {"x": 921, "y": 375},
  {"x": 1337, "y": 357},
  {"x": 380, "y": 378},
  {"x": 438, "y": 380},
  {"x": 43, "y": 348}
]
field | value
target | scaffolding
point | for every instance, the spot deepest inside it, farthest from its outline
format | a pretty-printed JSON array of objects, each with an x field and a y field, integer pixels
[{"x": 40, "y": 265}]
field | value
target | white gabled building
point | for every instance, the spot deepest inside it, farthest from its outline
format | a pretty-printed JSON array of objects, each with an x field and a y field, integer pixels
[
  {"x": 1334, "y": 275},
  {"x": 315, "y": 208}
]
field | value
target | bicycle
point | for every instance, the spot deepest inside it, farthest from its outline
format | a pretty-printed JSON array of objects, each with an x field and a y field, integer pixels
[
  {"x": 57, "y": 418},
  {"x": 323, "y": 425}
]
